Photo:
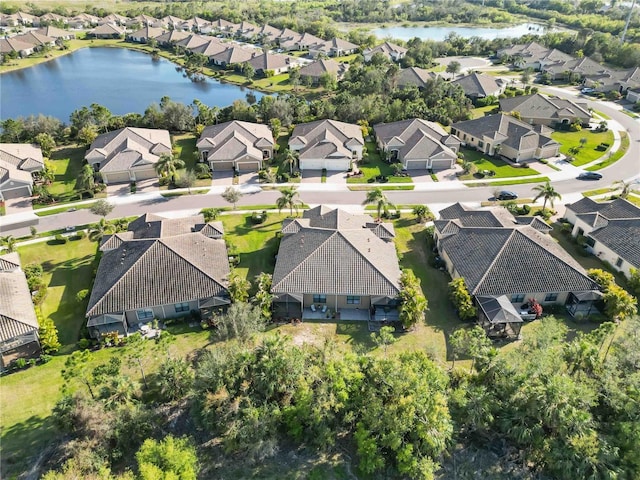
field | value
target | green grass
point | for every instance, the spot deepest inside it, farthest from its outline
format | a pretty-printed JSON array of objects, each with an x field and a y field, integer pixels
[
  {"x": 68, "y": 268},
  {"x": 179, "y": 194},
  {"x": 588, "y": 153},
  {"x": 365, "y": 188},
  {"x": 485, "y": 162},
  {"x": 3, "y": 210},
  {"x": 483, "y": 111},
  {"x": 602, "y": 115},
  {"x": 617, "y": 155},
  {"x": 376, "y": 166},
  {"x": 510, "y": 182},
  {"x": 634, "y": 199},
  {"x": 67, "y": 163},
  {"x": 629, "y": 113},
  {"x": 598, "y": 191},
  {"x": 55, "y": 211}
]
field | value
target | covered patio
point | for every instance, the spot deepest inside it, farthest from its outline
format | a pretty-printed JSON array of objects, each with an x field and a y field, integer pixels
[
  {"x": 499, "y": 317},
  {"x": 107, "y": 323},
  {"x": 581, "y": 304}
]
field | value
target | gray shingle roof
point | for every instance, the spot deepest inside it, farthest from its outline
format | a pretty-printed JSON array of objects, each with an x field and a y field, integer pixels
[
  {"x": 326, "y": 138},
  {"x": 478, "y": 85},
  {"x": 321, "y": 66},
  {"x": 541, "y": 106},
  {"x": 623, "y": 237},
  {"x": 346, "y": 259},
  {"x": 414, "y": 76},
  {"x": 473, "y": 218},
  {"x": 616, "y": 209},
  {"x": 415, "y": 138},
  {"x": 17, "y": 315}
]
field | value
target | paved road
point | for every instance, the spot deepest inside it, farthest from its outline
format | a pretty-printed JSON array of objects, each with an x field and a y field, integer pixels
[{"x": 627, "y": 167}]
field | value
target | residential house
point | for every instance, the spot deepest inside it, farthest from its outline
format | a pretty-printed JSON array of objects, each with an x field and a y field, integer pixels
[
  {"x": 36, "y": 39},
  {"x": 192, "y": 41},
  {"x": 524, "y": 56},
  {"x": 271, "y": 62},
  {"x": 172, "y": 37},
  {"x": 417, "y": 144},
  {"x": 8, "y": 20},
  {"x": 633, "y": 95},
  {"x": 211, "y": 48},
  {"x": 235, "y": 145},
  {"x": 170, "y": 22},
  {"x": 479, "y": 85},
  {"x": 234, "y": 55},
  {"x": 615, "y": 80},
  {"x": 583, "y": 67},
  {"x": 17, "y": 162},
  {"x": 334, "y": 264},
  {"x": 198, "y": 24},
  {"x": 53, "y": 18},
  {"x": 511, "y": 260},
  {"x": 315, "y": 70},
  {"x": 224, "y": 27},
  {"x": 107, "y": 30},
  {"x": 540, "y": 109},
  {"x": 114, "y": 19},
  {"x": 299, "y": 42},
  {"x": 391, "y": 51},
  {"x": 13, "y": 45},
  {"x": 27, "y": 19},
  {"x": 128, "y": 154},
  {"x": 612, "y": 231},
  {"x": 336, "y": 47},
  {"x": 414, "y": 77},
  {"x": 267, "y": 34},
  {"x": 83, "y": 20},
  {"x": 327, "y": 144},
  {"x": 158, "y": 269},
  {"x": 55, "y": 33},
  {"x": 247, "y": 30},
  {"x": 144, "y": 34},
  {"x": 18, "y": 321},
  {"x": 144, "y": 21},
  {"x": 507, "y": 136}
]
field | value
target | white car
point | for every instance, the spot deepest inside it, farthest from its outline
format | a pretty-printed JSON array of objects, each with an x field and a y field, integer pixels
[{"x": 587, "y": 90}]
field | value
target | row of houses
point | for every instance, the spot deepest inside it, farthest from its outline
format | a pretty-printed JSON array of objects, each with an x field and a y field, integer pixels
[
  {"x": 559, "y": 65},
  {"x": 335, "y": 264},
  {"x": 27, "y": 43}
]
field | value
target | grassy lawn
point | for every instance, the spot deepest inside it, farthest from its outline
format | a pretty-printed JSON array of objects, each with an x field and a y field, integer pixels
[
  {"x": 617, "y": 155},
  {"x": 3, "y": 210},
  {"x": 376, "y": 166},
  {"x": 67, "y": 162},
  {"x": 55, "y": 211},
  {"x": 510, "y": 182},
  {"x": 502, "y": 168},
  {"x": 588, "y": 153},
  {"x": 483, "y": 111}
]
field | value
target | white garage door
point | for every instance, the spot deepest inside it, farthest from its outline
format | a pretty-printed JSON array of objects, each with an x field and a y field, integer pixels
[
  {"x": 145, "y": 174},
  {"x": 116, "y": 177},
  {"x": 222, "y": 166},
  {"x": 341, "y": 165},
  {"x": 252, "y": 166},
  {"x": 416, "y": 164},
  {"x": 440, "y": 164}
]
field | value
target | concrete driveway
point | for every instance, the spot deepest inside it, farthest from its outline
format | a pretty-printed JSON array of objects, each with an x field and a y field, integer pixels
[
  {"x": 248, "y": 178},
  {"x": 315, "y": 176},
  {"x": 18, "y": 205},
  {"x": 222, "y": 177}
]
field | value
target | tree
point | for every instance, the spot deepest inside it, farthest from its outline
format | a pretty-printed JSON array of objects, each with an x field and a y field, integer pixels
[
  {"x": 9, "y": 243},
  {"x": 290, "y": 159},
  {"x": 102, "y": 208},
  {"x": 422, "y": 213},
  {"x": 619, "y": 304},
  {"x": 376, "y": 196},
  {"x": 583, "y": 142},
  {"x": 101, "y": 229},
  {"x": 210, "y": 214},
  {"x": 48, "y": 174},
  {"x": 169, "y": 459},
  {"x": 86, "y": 179},
  {"x": 276, "y": 125},
  {"x": 248, "y": 71},
  {"x": 384, "y": 338},
  {"x": 453, "y": 68},
  {"x": 168, "y": 165},
  {"x": 625, "y": 187},
  {"x": 175, "y": 379},
  {"x": 232, "y": 195},
  {"x": 241, "y": 321},
  {"x": 634, "y": 281},
  {"x": 525, "y": 77},
  {"x": 263, "y": 297},
  {"x": 187, "y": 180},
  {"x": 76, "y": 367},
  {"x": 48, "y": 334},
  {"x": 547, "y": 192},
  {"x": 87, "y": 134},
  {"x": 461, "y": 299},
  {"x": 238, "y": 287},
  {"x": 288, "y": 198},
  {"x": 413, "y": 303},
  {"x": 47, "y": 143}
]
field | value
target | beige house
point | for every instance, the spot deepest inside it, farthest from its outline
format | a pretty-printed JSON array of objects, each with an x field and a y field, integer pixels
[
  {"x": 158, "y": 269},
  {"x": 478, "y": 85},
  {"x": 508, "y": 137},
  {"x": 128, "y": 154},
  {"x": 17, "y": 162},
  {"x": 145, "y": 34},
  {"x": 107, "y": 30},
  {"x": 236, "y": 145},
  {"x": 389, "y": 50},
  {"x": 55, "y": 33},
  {"x": 270, "y": 62},
  {"x": 315, "y": 70},
  {"x": 327, "y": 144},
  {"x": 15, "y": 45},
  {"x": 540, "y": 109},
  {"x": 333, "y": 264},
  {"x": 336, "y": 47}
]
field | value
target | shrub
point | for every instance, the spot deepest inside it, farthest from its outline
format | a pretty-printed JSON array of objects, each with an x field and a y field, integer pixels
[
  {"x": 82, "y": 294},
  {"x": 257, "y": 218},
  {"x": 44, "y": 358},
  {"x": 84, "y": 343},
  {"x": 80, "y": 234},
  {"x": 164, "y": 181},
  {"x": 20, "y": 363},
  {"x": 461, "y": 299},
  {"x": 59, "y": 238}
]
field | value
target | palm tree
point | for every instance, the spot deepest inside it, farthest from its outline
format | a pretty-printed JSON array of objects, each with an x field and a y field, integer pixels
[
  {"x": 377, "y": 197},
  {"x": 86, "y": 178},
  {"x": 290, "y": 158},
  {"x": 625, "y": 187},
  {"x": 289, "y": 198},
  {"x": 547, "y": 192},
  {"x": 9, "y": 243},
  {"x": 168, "y": 166},
  {"x": 100, "y": 229}
]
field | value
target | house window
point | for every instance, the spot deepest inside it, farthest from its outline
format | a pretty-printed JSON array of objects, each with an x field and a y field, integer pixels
[
  {"x": 354, "y": 154},
  {"x": 619, "y": 262},
  {"x": 266, "y": 154},
  {"x": 517, "y": 298},
  {"x": 353, "y": 300},
  {"x": 454, "y": 131},
  {"x": 551, "y": 297},
  {"x": 464, "y": 136},
  {"x": 205, "y": 155},
  {"x": 319, "y": 298},
  {"x": 590, "y": 241},
  {"x": 481, "y": 144},
  {"x": 182, "y": 307},
  {"x": 144, "y": 314}
]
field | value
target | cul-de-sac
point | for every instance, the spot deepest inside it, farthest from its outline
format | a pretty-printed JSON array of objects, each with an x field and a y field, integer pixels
[{"x": 320, "y": 239}]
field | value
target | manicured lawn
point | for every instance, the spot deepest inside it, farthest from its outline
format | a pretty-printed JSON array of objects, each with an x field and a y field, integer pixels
[
  {"x": 519, "y": 181},
  {"x": 588, "y": 152},
  {"x": 67, "y": 162},
  {"x": 485, "y": 162},
  {"x": 376, "y": 166},
  {"x": 68, "y": 269},
  {"x": 483, "y": 111},
  {"x": 617, "y": 155}
]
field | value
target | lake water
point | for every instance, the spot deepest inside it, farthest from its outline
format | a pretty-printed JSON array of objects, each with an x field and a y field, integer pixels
[
  {"x": 122, "y": 80},
  {"x": 440, "y": 33}
]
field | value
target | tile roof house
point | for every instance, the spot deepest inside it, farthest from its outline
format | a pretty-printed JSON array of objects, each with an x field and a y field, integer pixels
[
  {"x": 323, "y": 66},
  {"x": 143, "y": 20},
  {"x": 414, "y": 77},
  {"x": 171, "y": 22},
  {"x": 619, "y": 80},
  {"x": 14, "y": 44},
  {"x": 478, "y": 85},
  {"x": 327, "y": 144},
  {"x": 192, "y": 41},
  {"x": 235, "y": 145},
  {"x": 36, "y": 39},
  {"x": 128, "y": 154},
  {"x": 172, "y": 37},
  {"x": 501, "y": 255},
  {"x": 160, "y": 268},
  {"x": 539, "y": 109},
  {"x": 299, "y": 42},
  {"x": 517, "y": 140},
  {"x": 107, "y": 30},
  {"x": 56, "y": 33},
  {"x": 268, "y": 34},
  {"x": 211, "y": 48},
  {"x": 526, "y": 55},
  {"x": 331, "y": 261},
  {"x": 18, "y": 321},
  {"x": 17, "y": 162},
  {"x": 144, "y": 34},
  {"x": 336, "y": 47},
  {"x": 224, "y": 27},
  {"x": 83, "y": 20},
  {"x": 389, "y": 50},
  {"x": 247, "y": 30},
  {"x": 50, "y": 17},
  {"x": 235, "y": 55},
  {"x": 113, "y": 19},
  {"x": 612, "y": 230},
  {"x": 417, "y": 144},
  {"x": 271, "y": 62}
]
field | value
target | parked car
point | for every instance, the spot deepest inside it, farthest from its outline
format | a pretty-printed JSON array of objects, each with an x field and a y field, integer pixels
[
  {"x": 587, "y": 90},
  {"x": 506, "y": 195},
  {"x": 590, "y": 176}
]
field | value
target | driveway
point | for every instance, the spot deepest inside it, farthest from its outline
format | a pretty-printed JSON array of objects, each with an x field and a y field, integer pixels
[
  {"x": 222, "y": 177},
  {"x": 315, "y": 176},
  {"x": 248, "y": 178},
  {"x": 118, "y": 189},
  {"x": 18, "y": 205}
]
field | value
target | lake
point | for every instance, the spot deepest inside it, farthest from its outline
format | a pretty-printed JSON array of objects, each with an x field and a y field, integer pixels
[
  {"x": 440, "y": 33},
  {"x": 122, "y": 80}
]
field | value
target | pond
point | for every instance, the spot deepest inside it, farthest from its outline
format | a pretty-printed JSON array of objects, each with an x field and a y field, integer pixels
[
  {"x": 122, "y": 80},
  {"x": 440, "y": 33}
]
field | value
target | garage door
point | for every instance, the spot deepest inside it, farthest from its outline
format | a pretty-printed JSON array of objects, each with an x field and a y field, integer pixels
[
  {"x": 222, "y": 166},
  {"x": 341, "y": 165},
  {"x": 416, "y": 164},
  {"x": 145, "y": 174},
  {"x": 116, "y": 177},
  {"x": 252, "y": 166},
  {"x": 16, "y": 192},
  {"x": 440, "y": 164}
]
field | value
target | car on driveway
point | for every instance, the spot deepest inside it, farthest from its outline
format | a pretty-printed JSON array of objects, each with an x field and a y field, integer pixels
[
  {"x": 506, "y": 195},
  {"x": 590, "y": 176},
  {"x": 587, "y": 90}
]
